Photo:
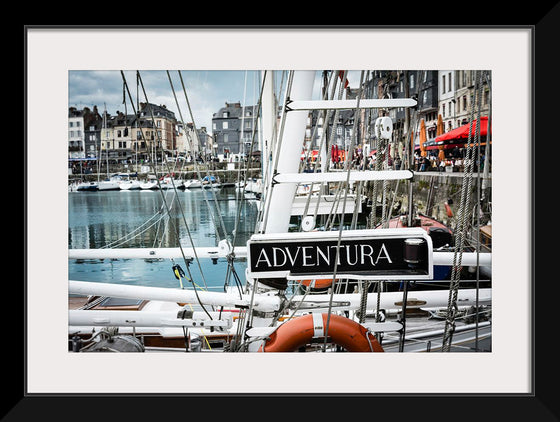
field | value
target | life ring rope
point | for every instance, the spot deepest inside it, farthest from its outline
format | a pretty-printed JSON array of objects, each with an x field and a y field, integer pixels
[{"x": 298, "y": 332}]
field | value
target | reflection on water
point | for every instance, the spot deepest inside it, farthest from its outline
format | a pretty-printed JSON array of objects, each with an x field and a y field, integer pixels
[{"x": 135, "y": 219}]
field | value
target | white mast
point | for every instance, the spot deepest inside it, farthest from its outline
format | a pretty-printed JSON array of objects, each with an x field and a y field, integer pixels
[
  {"x": 268, "y": 121},
  {"x": 289, "y": 153}
]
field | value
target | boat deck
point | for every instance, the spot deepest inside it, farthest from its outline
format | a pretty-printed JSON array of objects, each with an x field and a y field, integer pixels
[{"x": 76, "y": 302}]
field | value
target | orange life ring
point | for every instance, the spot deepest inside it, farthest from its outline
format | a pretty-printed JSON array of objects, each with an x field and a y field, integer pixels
[
  {"x": 299, "y": 331},
  {"x": 321, "y": 283}
]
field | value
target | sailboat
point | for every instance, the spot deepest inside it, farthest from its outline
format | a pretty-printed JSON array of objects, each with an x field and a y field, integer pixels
[
  {"x": 87, "y": 186},
  {"x": 129, "y": 184},
  {"x": 110, "y": 183},
  {"x": 263, "y": 314}
]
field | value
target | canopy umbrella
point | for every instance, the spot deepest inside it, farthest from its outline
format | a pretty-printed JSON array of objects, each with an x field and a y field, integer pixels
[
  {"x": 439, "y": 131},
  {"x": 462, "y": 132},
  {"x": 423, "y": 152}
]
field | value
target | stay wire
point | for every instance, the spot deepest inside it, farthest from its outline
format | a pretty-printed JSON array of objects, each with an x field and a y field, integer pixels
[
  {"x": 461, "y": 223},
  {"x": 221, "y": 221},
  {"x": 175, "y": 191},
  {"x": 163, "y": 196},
  {"x": 231, "y": 255},
  {"x": 266, "y": 205},
  {"x": 325, "y": 116},
  {"x": 142, "y": 228},
  {"x": 253, "y": 135},
  {"x": 348, "y": 169}
]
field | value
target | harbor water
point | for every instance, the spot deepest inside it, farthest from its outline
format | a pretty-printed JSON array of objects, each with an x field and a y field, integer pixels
[
  {"x": 140, "y": 218},
  {"x": 196, "y": 217}
]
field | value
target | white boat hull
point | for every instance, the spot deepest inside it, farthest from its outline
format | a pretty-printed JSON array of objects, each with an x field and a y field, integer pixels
[
  {"x": 109, "y": 185},
  {"x": 148, "y": 185},
  {"x": 87, "y": 186},
  {"x": 193, "y": 184},
  {"x": 130, "y": 185}
]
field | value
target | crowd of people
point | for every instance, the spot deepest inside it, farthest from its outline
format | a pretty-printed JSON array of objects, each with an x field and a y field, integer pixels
[{"x": 453, "y": 161}]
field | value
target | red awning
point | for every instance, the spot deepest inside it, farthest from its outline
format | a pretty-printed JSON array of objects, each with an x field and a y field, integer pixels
[{"x": 462, "y": 133}]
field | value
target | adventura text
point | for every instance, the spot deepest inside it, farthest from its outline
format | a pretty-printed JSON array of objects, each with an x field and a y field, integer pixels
[{"x": 318, "y": 256}]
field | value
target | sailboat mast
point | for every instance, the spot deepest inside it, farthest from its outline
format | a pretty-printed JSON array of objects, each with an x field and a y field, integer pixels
[
  {"x": 106, "y": 142},
  {"x": 268, "y": 119},
  {"x": 289, "y": 153}
]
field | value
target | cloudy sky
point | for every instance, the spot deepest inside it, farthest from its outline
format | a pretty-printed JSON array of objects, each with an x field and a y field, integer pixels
[{"x": 207, "y": 91}]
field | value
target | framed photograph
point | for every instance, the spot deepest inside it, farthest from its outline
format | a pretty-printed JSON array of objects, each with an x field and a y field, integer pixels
[{"x": 59, "y": 64}]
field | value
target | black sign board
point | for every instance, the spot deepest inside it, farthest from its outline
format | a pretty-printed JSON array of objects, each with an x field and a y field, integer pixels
[{"x": 365, "y": 257}]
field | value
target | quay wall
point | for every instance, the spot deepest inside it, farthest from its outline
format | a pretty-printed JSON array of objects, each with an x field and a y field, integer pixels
[{"x": 432, "y": 190}]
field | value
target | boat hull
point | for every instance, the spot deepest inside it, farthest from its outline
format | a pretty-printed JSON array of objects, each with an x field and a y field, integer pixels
[
  {"x": 87, "y": 187},
  {"x": 131, "y": 185},
  {"x": 108, "y": 185}
]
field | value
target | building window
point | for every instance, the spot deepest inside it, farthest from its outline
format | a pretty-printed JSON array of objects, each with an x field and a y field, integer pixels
[
  {"x": 449, "y": 81},
  {"x": 412, "y": 80},
  {"x": 225, "y": 125},
  {"x": 443, "y": 84},
  {"x": 226, "y": 137},
  {"x": 443, "y": 110},
  {"x": 225, "y": 114},
  {"x": 464, "y": 103}
]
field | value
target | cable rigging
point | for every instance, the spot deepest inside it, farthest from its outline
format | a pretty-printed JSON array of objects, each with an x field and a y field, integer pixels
[
  {"x": 460, "y": 231},
  {"x": 163, "y": 196}
]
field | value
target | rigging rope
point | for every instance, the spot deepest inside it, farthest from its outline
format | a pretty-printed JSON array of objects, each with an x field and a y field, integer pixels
[
  {"x": 347, "y": 183},
  {"x": 462, "y": 215},
  {"x": 221, "y": 221},
  {"x": 262, "y": 219},
  {"x": 163, "y": 196},
  {"x": 231, "y": 256},
  {"x": 326, "y": 119}
]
